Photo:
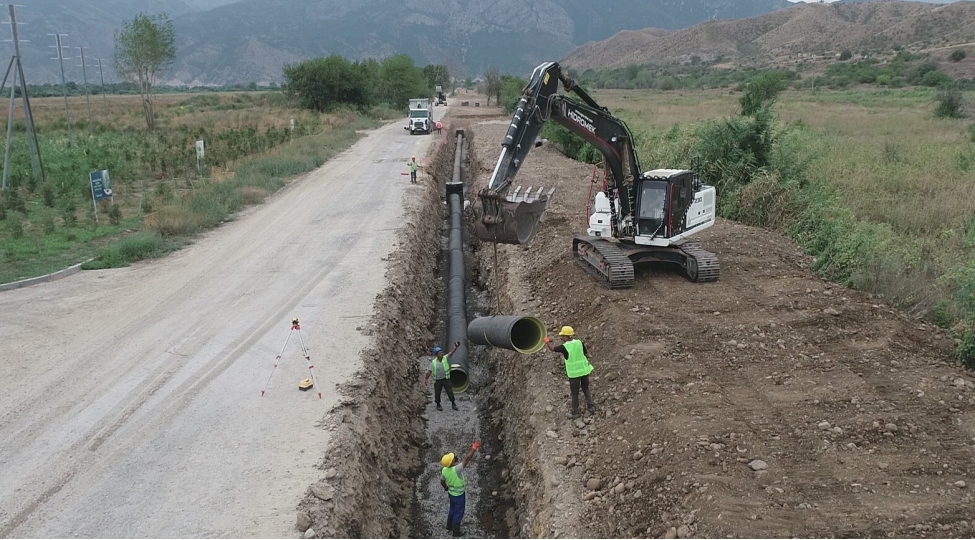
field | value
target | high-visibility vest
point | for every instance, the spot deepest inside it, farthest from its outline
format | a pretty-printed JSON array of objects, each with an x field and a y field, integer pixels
[
  {"x": 446, "y": 367},
  {"x": 412, "y": 166},
  {"x": 576, "y": 365},
  {"x": 455, "y": 484}
]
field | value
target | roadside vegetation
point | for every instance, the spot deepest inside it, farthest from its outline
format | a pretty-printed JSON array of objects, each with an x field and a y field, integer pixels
[{"x": 161, "y": 200}]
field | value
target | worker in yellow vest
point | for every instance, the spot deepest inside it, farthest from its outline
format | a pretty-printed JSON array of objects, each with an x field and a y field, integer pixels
[
  {"x": 413, "y": 167},
  {"x": 577, "y": 368},
  {"x": 440, "y": 370},
  {"x": 453, "y": 482}
]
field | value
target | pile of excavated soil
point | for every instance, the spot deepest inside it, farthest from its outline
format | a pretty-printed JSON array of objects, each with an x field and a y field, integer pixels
[
  {"x": 769, "y": 403},
  {"x": 367, "y": 490}
]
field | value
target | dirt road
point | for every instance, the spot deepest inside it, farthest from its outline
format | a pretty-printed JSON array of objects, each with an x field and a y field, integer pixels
[{"x": 130, "y": 400}]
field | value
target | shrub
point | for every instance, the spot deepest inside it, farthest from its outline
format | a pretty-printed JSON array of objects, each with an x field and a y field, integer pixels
[
  {"x": 128, "y": 250},
  {"x": 948, "y": 103},
  {"x": 958, "y": 55},
  {"x": 761, "y": 91},
  {"x": 846, "y": 55},
  {"x": 47, "y": 193},
  {"x": 115, "y": 214},
  {"x": 966, "y": 351},
  {"x": 935, "y": 78}
]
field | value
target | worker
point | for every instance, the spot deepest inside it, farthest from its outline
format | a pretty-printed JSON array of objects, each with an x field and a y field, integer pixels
[
  {"x": 577, "y": 368},
  {"x": 440, "y": 369},
  {"x": 453, "y": 482},
  {"x": 439, "y": 127},
  {"x": 413, "y": 167}
]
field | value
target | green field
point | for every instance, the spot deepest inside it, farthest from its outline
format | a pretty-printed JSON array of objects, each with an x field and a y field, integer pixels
[
  {"x": 868, "y": 181},
  {"x": 161, "y": 199}
]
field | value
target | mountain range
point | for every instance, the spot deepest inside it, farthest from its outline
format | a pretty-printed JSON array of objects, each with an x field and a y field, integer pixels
[
  {"x": 802, "y": 32},
  {"x": 241, "y": 41}
]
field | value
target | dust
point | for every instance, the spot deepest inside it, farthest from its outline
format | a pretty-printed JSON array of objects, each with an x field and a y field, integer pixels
[{"x": 769, "y": 403}]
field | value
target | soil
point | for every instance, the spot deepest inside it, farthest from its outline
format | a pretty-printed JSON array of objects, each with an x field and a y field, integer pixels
[{"x": 769, "y": 403}]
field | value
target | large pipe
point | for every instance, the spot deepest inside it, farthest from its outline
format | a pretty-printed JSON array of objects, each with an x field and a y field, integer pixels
[
  {"x": 456, "y": 295},
  {"x": 523, "y": 334}
]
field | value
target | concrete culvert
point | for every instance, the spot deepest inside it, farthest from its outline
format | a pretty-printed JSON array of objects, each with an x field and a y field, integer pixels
[{"x": 523, "y": 334}]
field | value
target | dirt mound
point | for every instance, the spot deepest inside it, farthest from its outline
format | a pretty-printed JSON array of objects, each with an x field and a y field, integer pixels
[
  {"x": 367, "y": 489},
  {"x": 769, "y": 403}
]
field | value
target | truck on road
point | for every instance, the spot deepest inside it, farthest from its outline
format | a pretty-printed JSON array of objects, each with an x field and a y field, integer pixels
[{"x": 421, "y": 118}]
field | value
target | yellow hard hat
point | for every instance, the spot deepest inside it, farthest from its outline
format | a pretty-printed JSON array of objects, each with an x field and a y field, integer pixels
[
  {"x": 447, "y": 460},
  {"x": 567, "y": 331},
  {"x": 414, "y": 157}
]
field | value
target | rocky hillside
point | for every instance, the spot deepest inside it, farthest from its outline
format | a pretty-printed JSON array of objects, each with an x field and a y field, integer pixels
[
  {"x": 806, "y": 29},
  {"x": 250, "y": 40}
]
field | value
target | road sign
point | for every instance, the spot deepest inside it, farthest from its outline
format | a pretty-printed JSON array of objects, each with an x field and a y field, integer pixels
[
  {"x": 199, "y": 150},
  {"x": 101, "y": 185}
]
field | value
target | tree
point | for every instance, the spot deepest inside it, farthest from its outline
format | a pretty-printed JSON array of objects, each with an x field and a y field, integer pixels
[
  {"x": 762, "y": 90},
  {"x": 144, "y": 48},
  {"x": 437, "y": 75},
  {"x": 323, "y": 83},
  {"x": 492, "y": 83},
  {"x": 402, "y": 80}
]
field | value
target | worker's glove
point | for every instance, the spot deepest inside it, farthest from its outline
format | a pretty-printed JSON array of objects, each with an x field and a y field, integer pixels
[
  {"x": 456, "y": 344},
  {"x": 476, "y": 445},
  {"x": 547, "y": 339},
  {"x": 426, "y": 382}
]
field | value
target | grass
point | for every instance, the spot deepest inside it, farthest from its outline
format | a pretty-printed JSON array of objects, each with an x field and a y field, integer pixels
[
  {"x": 880, "y": 191},
  {"x": 161, "y": 198}
]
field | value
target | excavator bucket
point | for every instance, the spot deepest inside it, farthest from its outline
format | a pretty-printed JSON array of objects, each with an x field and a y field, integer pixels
[{"x": 511, "y": 219}]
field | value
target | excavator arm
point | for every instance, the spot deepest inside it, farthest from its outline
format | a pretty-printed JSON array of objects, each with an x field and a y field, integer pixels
[{"x": 515, "y": 218}]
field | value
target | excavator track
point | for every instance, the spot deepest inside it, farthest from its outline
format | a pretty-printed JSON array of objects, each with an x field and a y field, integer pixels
[
  {"x": 604, "y": 261},
  {"x": 701, "y": 265}
]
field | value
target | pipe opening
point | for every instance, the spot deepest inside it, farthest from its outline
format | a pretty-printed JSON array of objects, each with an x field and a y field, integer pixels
[
  {"x": 459, "y": 380},
  {"x": 527, "y": 334}
]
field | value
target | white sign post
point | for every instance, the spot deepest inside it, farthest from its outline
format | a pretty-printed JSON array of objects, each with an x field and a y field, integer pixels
[{"x": 200, "y": 154}]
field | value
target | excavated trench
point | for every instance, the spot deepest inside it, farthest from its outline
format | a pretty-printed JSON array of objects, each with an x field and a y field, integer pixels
[{"x": 449, "y": 430}]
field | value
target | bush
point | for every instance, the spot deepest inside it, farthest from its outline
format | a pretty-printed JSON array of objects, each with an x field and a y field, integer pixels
[
  {"x": 958, "y": 55},
  {"x": 846, "y": 55},
  {"x": 948, "y": 103},
  {"x": 128, "y": 250},
  {"x": 935, "y": 79},
  {"x": 115, "y": 214},
  {"x": 966, "y": 351},
  {"x": 761, "y": 91}
]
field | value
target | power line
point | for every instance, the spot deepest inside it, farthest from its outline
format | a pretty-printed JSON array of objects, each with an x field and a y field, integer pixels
[
  {"x": 64, "y": 84},
  {"x": 84, "y": 71},
  {"x": 37, "y": 165}
]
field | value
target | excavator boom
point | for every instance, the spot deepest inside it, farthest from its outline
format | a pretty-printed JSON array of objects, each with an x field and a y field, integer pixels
[{"x": 514, "y": 218}]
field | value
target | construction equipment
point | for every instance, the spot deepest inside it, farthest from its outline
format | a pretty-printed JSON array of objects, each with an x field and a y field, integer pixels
[
  {"x": 421, "y": 118},
  {"x": 304, "y": 384},
  {"x": 441, "y": 97},
  {"x": 650, "y": 214}
]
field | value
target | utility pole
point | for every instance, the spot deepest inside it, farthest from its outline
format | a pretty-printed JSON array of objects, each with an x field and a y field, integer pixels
[
  {"x": 84, "y": 71},
  {"x": 37, "y": 164},
  {"x": 102, "y": 75},
  {"x": 64, "y": 86}
]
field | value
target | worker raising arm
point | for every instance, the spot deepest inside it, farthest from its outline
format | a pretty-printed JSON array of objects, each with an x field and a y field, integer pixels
[{"x": 577, "y": 368}]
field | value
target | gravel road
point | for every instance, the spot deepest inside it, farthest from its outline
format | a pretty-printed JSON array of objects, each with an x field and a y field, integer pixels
[{"x": 130, "y": 401}]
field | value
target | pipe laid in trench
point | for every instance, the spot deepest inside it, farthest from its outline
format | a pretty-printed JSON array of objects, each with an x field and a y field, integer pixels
[
  {"x": 522, "y": 334},
  {"x": 456, "y": 295}
]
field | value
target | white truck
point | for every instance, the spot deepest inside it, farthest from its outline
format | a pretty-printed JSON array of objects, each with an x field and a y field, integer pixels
[{"x": 421, "y": 119}]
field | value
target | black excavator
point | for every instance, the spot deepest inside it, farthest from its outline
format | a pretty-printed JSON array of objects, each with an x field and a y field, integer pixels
[{"x": 641, "y": 216}]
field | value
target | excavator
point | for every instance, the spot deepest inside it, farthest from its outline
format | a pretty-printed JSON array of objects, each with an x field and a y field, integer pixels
[{"x": 640, "y": 216}]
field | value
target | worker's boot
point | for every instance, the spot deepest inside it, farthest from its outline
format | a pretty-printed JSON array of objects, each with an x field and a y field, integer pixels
[
  {"x": 573, "y": 414},
  {"x": 454, "y": 406},
  {"x": 457, "y": 531},
  {"x": 591, "y": 407},
  {"x": 439, "y": 408},
  {"x": 450, "y": 525}
]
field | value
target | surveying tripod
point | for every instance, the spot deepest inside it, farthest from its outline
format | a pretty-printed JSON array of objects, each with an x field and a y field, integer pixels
[{"x": 304, "y": 384}]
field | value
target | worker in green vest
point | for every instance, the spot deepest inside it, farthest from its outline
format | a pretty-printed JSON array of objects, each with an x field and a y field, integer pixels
[
  {"x": 413, "y": 167},
  {"x": 577, "y": 368},
  {"x": 453, "y": 482},
  {"x": 440, "y": 369}
]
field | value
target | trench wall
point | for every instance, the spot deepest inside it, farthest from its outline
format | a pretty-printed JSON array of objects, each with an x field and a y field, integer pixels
[{"x": 367, "y": 486}]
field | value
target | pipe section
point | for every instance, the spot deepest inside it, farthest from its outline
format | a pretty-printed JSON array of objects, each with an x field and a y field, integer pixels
[
  {"x": 523, "y": 334},
  {"x": 456, "y": 287}
]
